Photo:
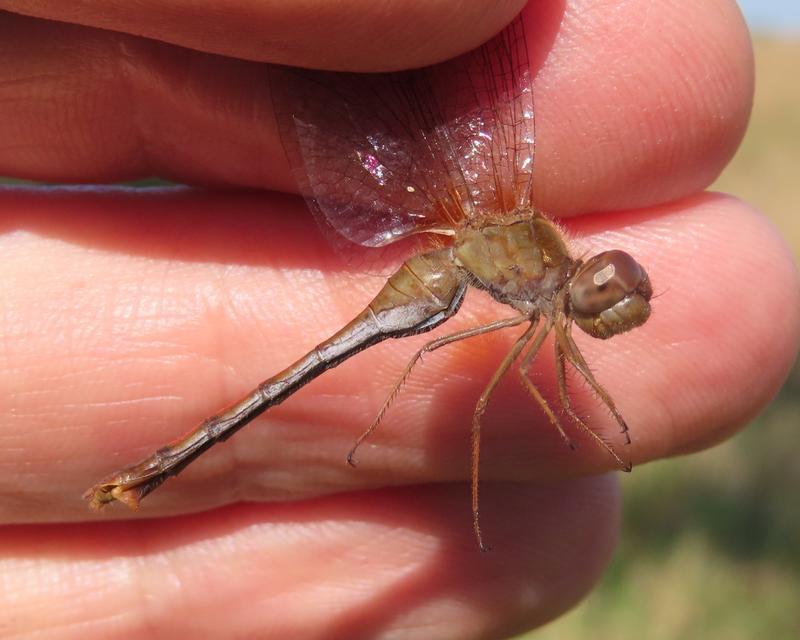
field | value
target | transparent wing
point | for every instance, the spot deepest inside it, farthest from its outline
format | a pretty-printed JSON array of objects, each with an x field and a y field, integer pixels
[
  {"x": 379, "y": 157},
  {"x": 489, "y": 118}
]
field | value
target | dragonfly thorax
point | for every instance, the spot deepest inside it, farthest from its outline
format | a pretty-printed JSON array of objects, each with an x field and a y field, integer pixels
[{"x": 522, "y": 263}]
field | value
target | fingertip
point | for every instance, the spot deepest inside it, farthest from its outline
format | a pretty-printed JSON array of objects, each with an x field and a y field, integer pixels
[
  {"x": 641, "y": 103},
  {"x": 724, "y": 331}
]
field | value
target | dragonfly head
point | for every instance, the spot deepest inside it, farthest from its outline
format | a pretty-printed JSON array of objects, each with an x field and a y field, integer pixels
[{"x": 610, "y": 294}]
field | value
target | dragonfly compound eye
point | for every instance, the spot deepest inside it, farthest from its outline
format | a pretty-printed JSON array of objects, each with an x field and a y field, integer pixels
[{"x": 610, "y": 294}]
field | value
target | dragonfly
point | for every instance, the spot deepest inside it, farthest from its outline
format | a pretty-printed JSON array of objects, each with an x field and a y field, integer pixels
[{"x": 438, "y": 160}]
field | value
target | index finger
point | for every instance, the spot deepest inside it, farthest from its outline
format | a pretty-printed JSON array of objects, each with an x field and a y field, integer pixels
[
  {"x": 352, "y": 35},
  {"x": 637, "y": 103}
]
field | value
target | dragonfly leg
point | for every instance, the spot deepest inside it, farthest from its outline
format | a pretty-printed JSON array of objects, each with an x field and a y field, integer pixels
[
  {"x": 567, "y": 406},
  {"x": 566, "y": 348},
  {"x": 433, "y": 345},
  {"x": 480, "y": 408},
  {"x": 524, "y": 372}
]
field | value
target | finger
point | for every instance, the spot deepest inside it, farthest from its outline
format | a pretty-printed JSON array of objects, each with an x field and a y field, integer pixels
[
  {"x": 372, "y": 564},
  {"x": 137, "y": 315},
  {"x": 626, "y": 116},
  {"x": 651, "y": 102},
  {"x": 353, "y": 34}
]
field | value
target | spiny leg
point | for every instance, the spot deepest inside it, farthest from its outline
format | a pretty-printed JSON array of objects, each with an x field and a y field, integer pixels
[
  {"x": 567, "y": 406},
  {"x": 512, "y": 355},
  {"x": 427, "y": 348},
  {"x": 524, "y": 368},
  {"x": 598, "y": 388},
  {"x": 576, "y": 359}
]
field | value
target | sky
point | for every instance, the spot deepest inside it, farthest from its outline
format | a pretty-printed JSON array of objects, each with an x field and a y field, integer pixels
[{"x": 779, "y": 16}]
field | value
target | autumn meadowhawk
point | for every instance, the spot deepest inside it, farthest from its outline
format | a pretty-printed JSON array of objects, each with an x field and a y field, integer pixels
[{"x": 441, "y": 157}]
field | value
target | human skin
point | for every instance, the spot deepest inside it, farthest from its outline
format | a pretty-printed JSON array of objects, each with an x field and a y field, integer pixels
[{"x": 126, "y": 318}]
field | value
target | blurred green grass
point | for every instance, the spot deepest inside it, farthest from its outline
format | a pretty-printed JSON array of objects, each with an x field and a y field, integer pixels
[{"x": 710, "y": 544}]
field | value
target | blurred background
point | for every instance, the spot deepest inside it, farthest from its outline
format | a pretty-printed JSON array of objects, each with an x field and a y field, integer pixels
[{"x": 710, "y": 544}]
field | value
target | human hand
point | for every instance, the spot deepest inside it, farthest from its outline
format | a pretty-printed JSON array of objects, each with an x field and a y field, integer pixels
[{"x": 131, "y": 316}]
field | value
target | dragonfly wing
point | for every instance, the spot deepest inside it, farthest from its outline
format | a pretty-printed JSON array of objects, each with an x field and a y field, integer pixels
[
  {"x": 379, "y": 157},
  {"x": 487, "y": 102}
]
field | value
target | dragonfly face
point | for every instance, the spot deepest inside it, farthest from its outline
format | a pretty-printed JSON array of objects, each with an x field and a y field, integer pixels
[{"x": 610, "y": 294}]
